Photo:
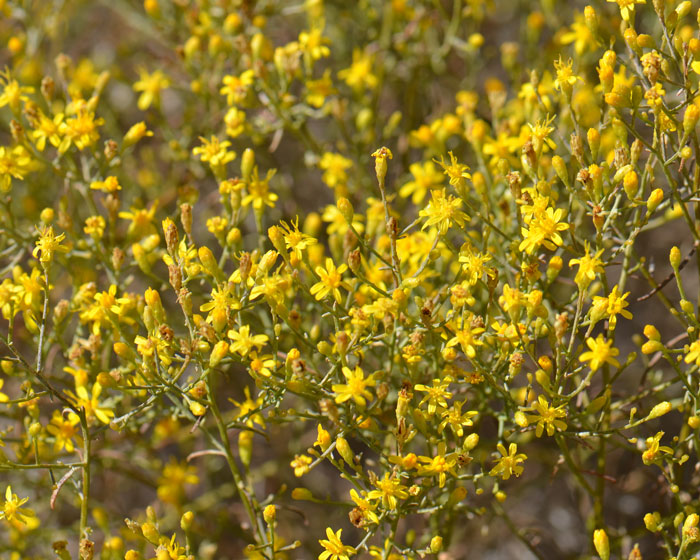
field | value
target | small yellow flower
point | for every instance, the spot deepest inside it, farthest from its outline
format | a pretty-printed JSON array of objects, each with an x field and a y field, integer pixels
[
  {"x": 627, "y": 7},
  {"x": 331, "y": 280},
  {"x": 389, "y": 490},
  {"x": 601, "y": 352},
  {"x": 547, "y": 417},
  {"x": 150, "y": 85},
  {"x": 12, "y": 508},
  {"x": 355, "y": 388},
  {"x": 509, "y": 463},
  {"x": 334, "y": 547},
  {"x": 48, "y": 244}
]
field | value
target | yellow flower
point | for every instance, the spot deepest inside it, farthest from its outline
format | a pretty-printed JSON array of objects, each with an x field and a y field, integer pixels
[
  {"x": 259, "y": 191},
  {"x": 547, "y": 417},
  {"x": 235, "y": 88},
  {"x": 442, "y": 211},
  {"x": 64, "y": 427},
  {"x": 80, "y": 129},
  {"x": 588, "y": 266},
  {"x": 439, "y": 465},
  {"x": 693, "y": 354},
  {"x": 150, "y": 85},
  {"x": 456, "y": 419},
  {"x": 355, "y": 388},
  {"x": 627, "y": 7},
  {"x": 457, "y": 172},
  {"x": 244, "y": 342},
  {"x": 215, "y": 152},
  {"x": 109, "y": 185},
  {"x": 566, "y": 78},
  {"x": 334, "y": 547},
  {"x": 314, "y": 44},
  {"x": 95, "y": 226},
  {"x": 359, "y": 75},
  {"x": 141, "y": 221},
  {"x": 426, "y": 177},
  {"x": 14, "y": 162},
  {"x": 364, "y": 507},
  {"x": 300, "y": 464},
  {"x": 47, "y": 129},
  {"x": 48, "y": 244},
  {"x": 318, "y": 90},
  {"x": 12, "y": 508},
  {"x": 651, "y": 454},
  {"x": 175, "y": 475},
  {"x": 466, "y": 338},
  {"x": 611, "y": 307},
  {"x": 509, "y": 463},
  {"x": 296, "y": 241},
  {"x": 90, "y": 403},
  {"x": 331, "y": 280},
  {"x": 13, "y": 93},
  {"x": 335, "y": 169},
  {"x": 235, "y": 122},
  {"x": 580, "y": 35},
  {"x": 435, "y": 395},
  {"x": 389, "y": 490},
  {"x": 601, "y": 352},
  {"x": 543, "y": 230}
]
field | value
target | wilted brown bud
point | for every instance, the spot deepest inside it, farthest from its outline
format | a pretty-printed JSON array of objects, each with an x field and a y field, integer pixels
[
  {"x": 171, "y": 236},
  {"x": 48, "y": 87},
  {"x": 111, "y": 149},
  {"x": 186, "y": 217},
  {"x": 17, "y": 131},
  {"x": 244, "y": 266},
  {"x": 392, "y": 228},
  {"x": 577, "y": 147},
  {"x": 514, "y": 182},
  {"x": 175, "y": 276},
  {"x": 561, "y": 325},
  {"x": 60, "y": 311},
  {"x": 117, "y": 258},
  {"x": 354, "y": 261}
]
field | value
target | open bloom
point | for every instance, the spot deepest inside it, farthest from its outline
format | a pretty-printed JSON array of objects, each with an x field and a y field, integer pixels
[{"x": 334, "y": 547}]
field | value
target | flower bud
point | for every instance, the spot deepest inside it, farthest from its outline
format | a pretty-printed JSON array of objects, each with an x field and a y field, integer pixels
[
  {"x": 630, "y": 183},
  {"x": 343, "y": 447},
  {"x": 218, "y": 353},
  {"x": 270, "y": 514},
  {"x": 655, "y": 198},
  {"x": 591, "y": 19},
  {"x": 601, "y": 543},
  {"x": 690, "y": 118},
  {"x": 593, "y": 137},
  {"x": 245, "y": 446},
  {"x": 150, "y": 532},
  {"x": 470, "y": 442},
  {"x": 206, "y": 257},
  {"x": 186, "y": 520},
  {"x": 302, "y": 494},
  {"x": 659, "y": 410},
  {"x": 380, "y": 165},
  {"x": 561, "y": 170},
  {"x": 186, "y": 217},
  {"x": 346, "y": 209},
  {"x": 674, "y": 258},
  {"x": 436, "y": 544},
  {"x": 247, "y": 164},
  {"x": 136, "y": 133},
  {"x": 651, "y": 521}
]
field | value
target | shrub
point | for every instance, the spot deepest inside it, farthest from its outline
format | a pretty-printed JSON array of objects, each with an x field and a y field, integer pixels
[{"x": 325, "y": 279}]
